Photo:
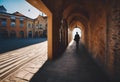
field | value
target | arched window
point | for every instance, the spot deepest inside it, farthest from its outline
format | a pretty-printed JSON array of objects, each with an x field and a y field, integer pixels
[
  {"x": 21, "y": 34},
  {"x": 30, "y": 34}
]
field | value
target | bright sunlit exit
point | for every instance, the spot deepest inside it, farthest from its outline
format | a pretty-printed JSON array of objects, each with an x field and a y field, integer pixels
[{"x": 76, "y": 30}]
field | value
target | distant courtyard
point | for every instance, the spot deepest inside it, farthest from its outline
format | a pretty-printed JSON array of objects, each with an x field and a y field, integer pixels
[{"x": 12, "y": 44}]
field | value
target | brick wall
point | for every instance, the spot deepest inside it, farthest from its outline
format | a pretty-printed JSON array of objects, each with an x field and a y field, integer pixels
[
  {"x": 104, "y": 37},
  {"x": 97, "y": 35},
  {"x": 114, "y": 39}
]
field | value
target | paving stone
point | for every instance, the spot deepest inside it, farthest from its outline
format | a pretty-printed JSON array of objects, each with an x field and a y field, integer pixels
[
  {"x": 23, "y": 80},
  {"x": 31, "y": 65},
  {"x": 24, "y": 73},
  {"x": 28, "y": 76},
  {"x": 21, "y": 74},
  {"x": 31, "y": 70},
  {"x": 14, "y": 80}
]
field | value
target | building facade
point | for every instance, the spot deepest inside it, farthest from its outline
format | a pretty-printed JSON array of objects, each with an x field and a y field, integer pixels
[
  {"x": 40, "y": 28},
  {"x": 30, "y": 28},
  {"x": 17, "y": 25},
  {"x": 12, "y": 25}
]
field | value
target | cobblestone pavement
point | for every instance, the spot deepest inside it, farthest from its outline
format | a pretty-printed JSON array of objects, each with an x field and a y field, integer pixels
[{"x": 32, "y": 57}]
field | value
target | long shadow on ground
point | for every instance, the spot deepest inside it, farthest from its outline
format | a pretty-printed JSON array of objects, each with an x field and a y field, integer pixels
[
  {"x": 12, "y": 44},
  {"x": 75, "y": 65}
]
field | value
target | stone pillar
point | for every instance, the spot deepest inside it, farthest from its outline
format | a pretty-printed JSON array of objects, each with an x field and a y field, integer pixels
[
  {"x": 66, "y": 33},
  {"x": 69, "y": 36},
  {"x": 56, "y": 23}
]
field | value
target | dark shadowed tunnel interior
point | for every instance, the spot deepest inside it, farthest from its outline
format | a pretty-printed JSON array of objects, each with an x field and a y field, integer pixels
[
  {"x": 75, "y": 65},
  {"x": 99, "y": 24}
]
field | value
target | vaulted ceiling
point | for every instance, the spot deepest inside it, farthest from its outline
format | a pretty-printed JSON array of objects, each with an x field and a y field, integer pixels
[{"x": 74, "y": 11}]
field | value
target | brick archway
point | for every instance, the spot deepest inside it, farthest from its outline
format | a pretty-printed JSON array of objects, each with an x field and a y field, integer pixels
[{"x": 99, "y": 22}]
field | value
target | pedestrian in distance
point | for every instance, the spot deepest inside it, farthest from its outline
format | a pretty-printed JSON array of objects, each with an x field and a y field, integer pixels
[{"x": 77, "y": 39}]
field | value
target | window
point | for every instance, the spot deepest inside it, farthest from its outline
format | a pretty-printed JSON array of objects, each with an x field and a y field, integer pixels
[
  {"x": 21, "y": 23},
  {"x": 36, "y": 26},
  {"x": 29, "y": 25},
  {"x": 12, "y": 17},
  {"x": 21, "y": 19},
  {"x": 32, "y": 25},
  {"x": 12, "y": 21},
  {"x": 12, "y": 24},
  {"x": 21, "y": 34},
  {"x": 4, "y": 22},
  {"x": 39, "y": 26}
]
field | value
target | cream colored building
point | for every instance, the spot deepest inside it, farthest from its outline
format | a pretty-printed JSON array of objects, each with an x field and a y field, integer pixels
[
  {"x": 30, "y": 28},
  {"x": 40, "y": 24}
]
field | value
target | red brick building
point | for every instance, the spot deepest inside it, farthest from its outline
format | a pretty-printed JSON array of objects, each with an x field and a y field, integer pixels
[
  {"x": 12, "y": 25},
  {"x": 17, "y": 25}
]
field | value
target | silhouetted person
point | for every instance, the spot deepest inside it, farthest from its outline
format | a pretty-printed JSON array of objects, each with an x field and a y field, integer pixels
[{"x": 77, "y": 38}]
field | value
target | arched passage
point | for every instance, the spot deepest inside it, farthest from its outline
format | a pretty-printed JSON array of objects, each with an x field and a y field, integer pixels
[
  {"x": 59, "y": 19},
  {"x": 77, "y": 14},
  {"x": 96, "y": 18},
  {"x": 80, "y": 27}
]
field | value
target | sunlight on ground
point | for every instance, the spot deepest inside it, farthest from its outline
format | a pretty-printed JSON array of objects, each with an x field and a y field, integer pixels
[
  {"x": 71, "y": 43},
  {"x": 23, "y": 63}
]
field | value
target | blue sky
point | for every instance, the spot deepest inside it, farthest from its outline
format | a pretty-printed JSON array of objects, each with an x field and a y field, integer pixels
[{"x": 21, "y": 6}]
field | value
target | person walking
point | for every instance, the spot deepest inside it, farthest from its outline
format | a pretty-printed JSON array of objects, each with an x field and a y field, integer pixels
[{"x": 77, "y": 39}]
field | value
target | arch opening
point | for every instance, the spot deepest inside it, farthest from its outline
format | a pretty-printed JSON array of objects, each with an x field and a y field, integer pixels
[
  {"x": 77, "y": 29},
  {"x": 43, "y": 8},
  {"x": 21, "y": 34}
]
